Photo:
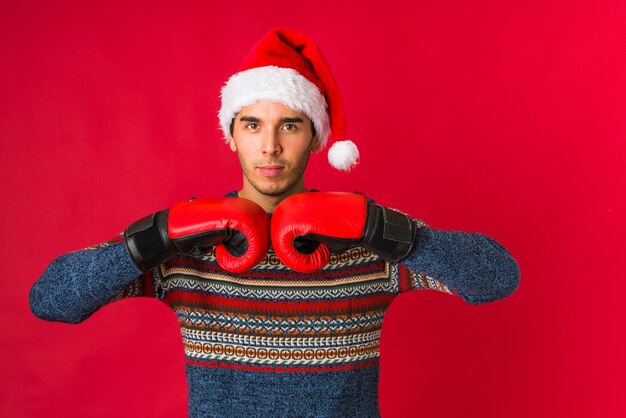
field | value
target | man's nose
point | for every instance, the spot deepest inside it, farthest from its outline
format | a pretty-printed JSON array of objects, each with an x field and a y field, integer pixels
[{"x": 271, "y": 142}]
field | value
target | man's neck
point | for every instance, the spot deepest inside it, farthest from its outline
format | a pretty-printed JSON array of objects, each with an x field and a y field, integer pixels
[{"x": 268, "y": 203}]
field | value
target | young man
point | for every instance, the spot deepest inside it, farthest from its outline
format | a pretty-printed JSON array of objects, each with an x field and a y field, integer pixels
[{"x": 280, "y": 292}]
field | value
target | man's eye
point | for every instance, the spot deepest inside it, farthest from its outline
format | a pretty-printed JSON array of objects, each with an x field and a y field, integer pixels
[
  {"x": 289, "y": 127},
  {"x": 252, "y": 126}
]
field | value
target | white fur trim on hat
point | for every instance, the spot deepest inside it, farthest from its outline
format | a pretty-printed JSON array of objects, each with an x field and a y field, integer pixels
[
  {"x": 343, "y": 155},
  {"x": 275, "y": 84}
]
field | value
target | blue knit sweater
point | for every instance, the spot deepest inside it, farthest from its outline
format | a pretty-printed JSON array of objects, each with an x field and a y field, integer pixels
[{"x": 272, "y": 341}]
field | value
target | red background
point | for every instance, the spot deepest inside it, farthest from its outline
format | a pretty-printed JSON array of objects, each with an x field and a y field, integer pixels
[{"x": 505, "y": 118}]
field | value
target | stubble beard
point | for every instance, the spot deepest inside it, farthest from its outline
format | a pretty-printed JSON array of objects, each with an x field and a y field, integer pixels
[{"x": 275, "y": 190}]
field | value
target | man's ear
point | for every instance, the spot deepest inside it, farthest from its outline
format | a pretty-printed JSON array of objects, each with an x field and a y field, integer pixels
[
  {"x": 231, "y": 143},
  {"x": 315, "y": 144}
]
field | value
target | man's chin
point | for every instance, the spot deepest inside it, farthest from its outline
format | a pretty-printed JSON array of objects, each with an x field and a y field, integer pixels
[{"x": 274, "y": 192}]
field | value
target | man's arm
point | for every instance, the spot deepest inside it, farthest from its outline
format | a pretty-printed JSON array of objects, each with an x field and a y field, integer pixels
[
  {"x": 305, "y": 227},
  {"x": 77, "y": 284},
  {"x": 470, "y": 264}
]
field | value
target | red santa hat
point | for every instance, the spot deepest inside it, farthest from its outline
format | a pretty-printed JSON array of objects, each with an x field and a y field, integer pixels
[{"x": 285, "y": 66}]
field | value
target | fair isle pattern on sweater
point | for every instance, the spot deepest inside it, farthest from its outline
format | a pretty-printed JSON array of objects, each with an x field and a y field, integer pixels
[
  {"x": 265, "y": 320},
  {"x": 312, "y": 322},
  {"x": 276, "y": 320}
]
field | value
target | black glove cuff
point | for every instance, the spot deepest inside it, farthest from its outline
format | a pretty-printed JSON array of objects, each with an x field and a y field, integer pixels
[
  {"x": 390, "y": 234},
  {"x": 147, "y": 241}
]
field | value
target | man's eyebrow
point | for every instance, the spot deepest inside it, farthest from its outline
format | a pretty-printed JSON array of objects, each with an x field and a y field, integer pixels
[
  {"x": 249, "y": 119},
  {"x": 291, "y": 120}
]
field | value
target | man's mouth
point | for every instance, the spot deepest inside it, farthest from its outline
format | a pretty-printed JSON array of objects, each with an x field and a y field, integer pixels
[{"x": 271, "y": 170}]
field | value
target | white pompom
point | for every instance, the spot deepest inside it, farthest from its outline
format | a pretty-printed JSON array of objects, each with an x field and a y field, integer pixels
[{"x": 343, "y": 155}]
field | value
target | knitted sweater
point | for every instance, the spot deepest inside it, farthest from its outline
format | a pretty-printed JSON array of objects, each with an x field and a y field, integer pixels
[{"x": 273, "y": 342}]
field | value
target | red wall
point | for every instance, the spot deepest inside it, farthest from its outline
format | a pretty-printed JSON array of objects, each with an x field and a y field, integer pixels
[{"x": 505, "y": 118}]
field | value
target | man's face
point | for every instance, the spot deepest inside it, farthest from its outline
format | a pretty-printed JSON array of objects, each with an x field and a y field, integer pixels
[{"x": 273, "y": 143}]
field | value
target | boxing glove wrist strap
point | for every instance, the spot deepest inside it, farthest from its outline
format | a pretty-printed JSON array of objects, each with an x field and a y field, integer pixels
[
  {"x": 147, "y": 241},
  {"x": 388, "y": 233}
]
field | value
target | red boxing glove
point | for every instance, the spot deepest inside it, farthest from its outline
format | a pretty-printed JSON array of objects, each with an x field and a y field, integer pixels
[
  {"x": 305, "y": 227},
  {"x": 239, "y": 228}
]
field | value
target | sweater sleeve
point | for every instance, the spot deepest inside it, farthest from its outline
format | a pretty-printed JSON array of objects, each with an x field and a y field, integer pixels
[
  {"x": 78, "y": 283},
  {"x": 470, "y": 264}
]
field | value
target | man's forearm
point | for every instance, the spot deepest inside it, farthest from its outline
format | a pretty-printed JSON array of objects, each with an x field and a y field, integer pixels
[
  {"x": 76, "y": 284},
  {"x": 475, "y": 266}
]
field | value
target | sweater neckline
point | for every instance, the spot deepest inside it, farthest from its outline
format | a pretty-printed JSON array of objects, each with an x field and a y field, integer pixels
[{"x": 233, "y": 193}]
